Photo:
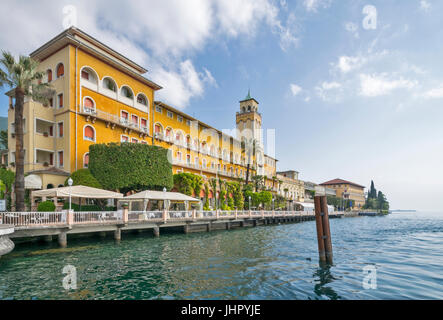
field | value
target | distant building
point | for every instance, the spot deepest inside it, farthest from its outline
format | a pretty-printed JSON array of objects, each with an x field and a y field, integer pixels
[
  {"x": 291, "y": 187},
  {"x": 347, "y": 190}
]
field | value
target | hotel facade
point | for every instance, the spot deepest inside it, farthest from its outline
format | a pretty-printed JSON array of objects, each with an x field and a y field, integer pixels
[{"x": 102, "y": 97}]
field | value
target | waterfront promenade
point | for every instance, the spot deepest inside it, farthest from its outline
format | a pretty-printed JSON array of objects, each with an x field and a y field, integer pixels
[{"x": 47, "y": 225}]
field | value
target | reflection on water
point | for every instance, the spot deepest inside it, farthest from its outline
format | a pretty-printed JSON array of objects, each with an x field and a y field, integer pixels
[
  {"x": 269, "y": 262},
  {"x": 323, "y": 277}
]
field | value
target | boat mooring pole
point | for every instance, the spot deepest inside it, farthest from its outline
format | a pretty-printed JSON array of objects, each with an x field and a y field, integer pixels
[
  {"x": 320, "y": 233},
  {"x": 323, "y": 230}
]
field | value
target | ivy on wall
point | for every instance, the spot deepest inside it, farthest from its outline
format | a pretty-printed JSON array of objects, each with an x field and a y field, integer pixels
[{"x": 130, "y": 166}]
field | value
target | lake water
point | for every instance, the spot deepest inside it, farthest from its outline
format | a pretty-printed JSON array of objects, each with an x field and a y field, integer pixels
[{"x": 268, "y": 262}]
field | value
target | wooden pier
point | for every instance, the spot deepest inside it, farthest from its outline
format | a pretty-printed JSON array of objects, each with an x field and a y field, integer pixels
[{"x": 46, "y": 225}]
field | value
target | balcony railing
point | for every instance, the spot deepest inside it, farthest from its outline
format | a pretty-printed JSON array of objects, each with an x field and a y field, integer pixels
[{"x": 114, "y": 119}]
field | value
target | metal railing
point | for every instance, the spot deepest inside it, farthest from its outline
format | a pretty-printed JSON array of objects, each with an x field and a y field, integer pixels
[
  {"x": 32, "y": 218},
  {"x": 96, "y": 217},
  {"x": 144, "y": 215},
  {"x": 29, "y": 219}
]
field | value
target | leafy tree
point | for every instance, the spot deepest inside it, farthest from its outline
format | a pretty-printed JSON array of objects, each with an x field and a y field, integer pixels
[
  {"x": 4, "y": 139},
  {"x": 23, "y": 77},
  {"x": 83, "y": 177},
  {"x": 259, "y": 182},
  {"x": 213, "y": 183},
  {"x": 188, "y": 183},
  {"x": 206, "y": 205},
  {"x": 46, "y": 206},
  {"x": 372, "y": 192}
]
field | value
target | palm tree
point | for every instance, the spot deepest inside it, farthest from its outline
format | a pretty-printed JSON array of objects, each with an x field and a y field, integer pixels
[
  {"x": 23, "y": 77},
  {"x": 213, "y": 183}
]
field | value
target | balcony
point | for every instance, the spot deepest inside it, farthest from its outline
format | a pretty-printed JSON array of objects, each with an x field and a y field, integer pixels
[{"x": 113, "y": 120}]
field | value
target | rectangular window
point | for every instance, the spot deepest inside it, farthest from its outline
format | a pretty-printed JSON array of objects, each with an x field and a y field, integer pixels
[
  {"x": 51, "y": 102},
  {"x": 144, "y": 123},
  {"x": 179, "y": 118},
  {"x": 134, "y": 140},
  {"x": 60, "y": 129},
  {"x": 60, "y": 100},
  {"x": 170, "y": 115},
  {"x": 125, "y": 138},
  {"x": 188, "y": 122},
  {"x": 144, "y": 142},
  {"x": 125, "y": 115},
  {"x": 51, "y": 159},
  {"x": 51, "y": 131},
  {"x": 158, "y": 109},
  {"x": 135, "y": 120},
  {"x": 60, "y": 158}
]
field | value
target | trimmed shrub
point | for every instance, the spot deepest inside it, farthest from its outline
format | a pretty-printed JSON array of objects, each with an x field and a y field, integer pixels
[
  {"x": 83, "y": 177},
  {"x": 46, "y": 206},
  {"x": 130, "y": 166},
  {"x": 87, "y": 207}
]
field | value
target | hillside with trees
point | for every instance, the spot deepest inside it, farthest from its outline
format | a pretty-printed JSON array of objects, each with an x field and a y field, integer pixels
[{"x": 376, "y": 200}]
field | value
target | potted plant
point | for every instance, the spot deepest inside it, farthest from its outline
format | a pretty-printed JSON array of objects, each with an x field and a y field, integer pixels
[
  {"x": 45, "y": 134},
  {"x": 125, "y": 205},
  {"x": 12, "y": 164},
  {"x": 46, "y": 164}
]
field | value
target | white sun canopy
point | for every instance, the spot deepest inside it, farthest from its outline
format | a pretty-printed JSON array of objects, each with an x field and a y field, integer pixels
[
  {"x": 160, "y": 195},
  {"x": 77, "y": 192},
  {"x": 33, "y": 181}
]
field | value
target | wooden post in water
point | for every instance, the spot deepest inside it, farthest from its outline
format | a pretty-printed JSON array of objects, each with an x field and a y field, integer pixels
[
  {"x": 326, "y": 229},
  {"x": 323, "y": 230}
]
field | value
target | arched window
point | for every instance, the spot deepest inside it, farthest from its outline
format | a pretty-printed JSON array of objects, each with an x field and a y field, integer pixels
[
  {"x": 88, "y": 105},
  {"x": 89, "y": 133},
  {"x": 49, "y": 75},
  {"x": 89, "y": 75},
  {"x": 109, "y": 84},
  {"x": 60, "y": 70},
  {"x": 178, "y": 137},
  {"x": 141, "y": 99},
  {"x": 158, "y": 128},
  {"x": 86, "y": 160},
  {"x": 168, "y": 132},
  {"x": 127, "y": 92}
]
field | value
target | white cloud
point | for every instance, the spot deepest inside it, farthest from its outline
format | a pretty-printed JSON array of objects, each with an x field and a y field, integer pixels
[
  {"x": 425, "y": 5},
  {"x": 434, "y": 93},
  {"x": 329, "y": 91},
  {"x": 161, "y": 35},
  {"x": 314, "y": 5},
  {"x": 380, "y": 84},
  {"x": 346, "y": 64},
  {"x": 295, "y": 89}
]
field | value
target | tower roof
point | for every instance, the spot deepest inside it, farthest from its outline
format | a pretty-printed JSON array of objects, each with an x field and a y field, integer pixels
[{"x": 248, "y": 97}]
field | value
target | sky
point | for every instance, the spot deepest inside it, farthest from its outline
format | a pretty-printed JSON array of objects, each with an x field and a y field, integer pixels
[{"x": 353, "y": 89}]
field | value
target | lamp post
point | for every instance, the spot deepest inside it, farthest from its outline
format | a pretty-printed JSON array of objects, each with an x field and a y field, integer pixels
[
  {"x": 249, "y": 202},
  {"x": 70, "y": 184},
  {"x": 273, "y": 204},
  {"x": 164, "y": 198}
]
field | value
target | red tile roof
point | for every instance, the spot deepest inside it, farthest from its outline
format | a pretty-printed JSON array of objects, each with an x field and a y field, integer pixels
[{"x": 340, "y": 181}]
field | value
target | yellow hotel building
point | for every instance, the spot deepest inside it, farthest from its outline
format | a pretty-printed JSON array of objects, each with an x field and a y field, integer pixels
[
  {"x": 348, "y": 190},
  {"x": 102, "y": 97}
]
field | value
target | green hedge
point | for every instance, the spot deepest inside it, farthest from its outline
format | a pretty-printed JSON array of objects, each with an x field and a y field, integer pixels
[
  {"x": 83, "y": 177},
  {"x": 130, "y": 166},
  {"x": 87, "y": 207},
  {"x": 46, "y": 206}
]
